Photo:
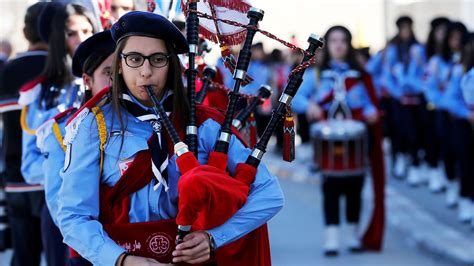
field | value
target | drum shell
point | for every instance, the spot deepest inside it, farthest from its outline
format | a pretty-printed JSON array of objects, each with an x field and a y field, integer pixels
[{"x": 340, "y": 147}]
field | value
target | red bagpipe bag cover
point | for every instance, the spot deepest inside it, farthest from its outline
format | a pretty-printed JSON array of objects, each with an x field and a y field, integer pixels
[{"x": 209, "y": 196}]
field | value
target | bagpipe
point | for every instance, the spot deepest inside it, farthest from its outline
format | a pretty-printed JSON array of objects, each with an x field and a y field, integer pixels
[{"x": 208, "y": 194}]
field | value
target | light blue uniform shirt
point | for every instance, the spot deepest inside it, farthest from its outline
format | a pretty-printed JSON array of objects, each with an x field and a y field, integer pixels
[
  {"x": 52, "y": 164},
  {"x": 459, "y": 96},
  {"x": 78, "y": 212},
  {"x": 416, "y": 70},
  {"x": 31, "y": 158},
  {"x": 399, "y": 79},
  {"x": 260, "y": 72},
  {"x": 438, "y": 76},
  {"x": 374, "y": 67},
  {"x": 306, "y": 91}
]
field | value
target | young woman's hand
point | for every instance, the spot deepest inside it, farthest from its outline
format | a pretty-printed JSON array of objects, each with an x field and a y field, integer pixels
[
  {"x": 372, "y": 119},
  {"x": 196, "y": 248},
  {"x": 314, "y": 112}
]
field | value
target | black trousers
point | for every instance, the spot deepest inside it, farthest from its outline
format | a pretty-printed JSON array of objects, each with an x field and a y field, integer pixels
[
  {"x": 463, "y": 138},
  {"x": 432, "y": 140},
  {"x": 56, "y": 252},
  {"x": 444, "y": 128},
  {"x": 411, "y": 130},
  {"x": 393, "y": 120},
  {"x": 303, "y": 128},
  {"x": 24, "y": 211},
  {"x": 333, "y": 189}
]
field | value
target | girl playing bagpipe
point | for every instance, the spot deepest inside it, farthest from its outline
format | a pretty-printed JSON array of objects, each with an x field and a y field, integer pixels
[{"x": 119, "y": 194}]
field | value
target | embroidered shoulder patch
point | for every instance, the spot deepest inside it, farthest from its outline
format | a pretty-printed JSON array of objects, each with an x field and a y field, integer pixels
[{"x": 29, "y": 96}]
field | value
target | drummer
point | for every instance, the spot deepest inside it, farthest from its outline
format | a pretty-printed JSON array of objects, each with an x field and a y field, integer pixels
[{"x": 339, "y": 58}]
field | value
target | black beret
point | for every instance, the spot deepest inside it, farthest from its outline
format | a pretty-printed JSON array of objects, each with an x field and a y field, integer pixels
[
  {"x": 99, "y": 44},
  {"x": 470, "y": 37},
  {"x": 258, "y": 45},
  {"x": 404, "y": 20},
  {"x": 458, "y": 26},
  {"x": 139, "y": 23},
  {"x": 439, "y": 21},
  {"x": 45, "y": 20}
]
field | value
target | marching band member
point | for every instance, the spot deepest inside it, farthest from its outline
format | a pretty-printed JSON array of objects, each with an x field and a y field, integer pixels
[
  {"x": 24, "y": 201},
  {"x": 459, "y": 101},
  {"x": 405, "y": 109},
  {"x": 118, "y": 8},
  {"x": 434, "y": 46},
  {"x": 438, "y": 75},
  {"x": 43, "y": 98},
  {"x": 103, "y": 157},
  {"x": 92, "y": 62},
  {"x": 339, "y": 57}
]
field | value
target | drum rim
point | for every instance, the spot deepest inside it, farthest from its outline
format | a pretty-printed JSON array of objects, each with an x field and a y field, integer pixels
[{"x": 316, "y": 129}]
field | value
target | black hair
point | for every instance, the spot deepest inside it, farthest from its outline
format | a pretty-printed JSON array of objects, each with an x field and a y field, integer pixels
[
  {"x": 351, "y": 52},
  {"x": 93, "y": 61},
  {"x": 57, "y": 71},
  {"x": 432, "y": 47},
  {"x": 403, "y": 47},
  {"x": 276, "y": 56},
  {"x": 457, "y": 26},
  {"x": 467, "y": 58},
  {"x": 404, "y": 20},
  {"x": 31, "y": 22}
]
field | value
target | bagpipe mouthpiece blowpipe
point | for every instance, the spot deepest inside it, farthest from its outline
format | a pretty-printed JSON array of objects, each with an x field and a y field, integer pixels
[
  {"x": 264, "y": 93},
  {"x": 192, "y": 36},
  {"x": 222, "y": 145},
  {"x": 180, "y": 147},
  {"x": 289, "y": 92},
  {"x": 208, "y": 75}
]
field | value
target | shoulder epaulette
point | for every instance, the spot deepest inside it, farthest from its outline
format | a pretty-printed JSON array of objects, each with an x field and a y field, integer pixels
[
  {"x": 75, "y": 120},
  {"x": 64, "y": 114},
  {"x": 30, "y": 91},
  {"x": 52, "y": 126},
  {"x": 100, "y": 97}
]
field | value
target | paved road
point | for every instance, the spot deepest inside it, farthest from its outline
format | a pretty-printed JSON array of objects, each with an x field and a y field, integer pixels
[
  {"x": 296, "y": 236},
  {"x": 297, "y": 231}
]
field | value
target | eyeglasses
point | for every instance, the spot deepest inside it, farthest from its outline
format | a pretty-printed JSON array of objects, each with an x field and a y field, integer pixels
[{"x": 135, "y": 60}]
